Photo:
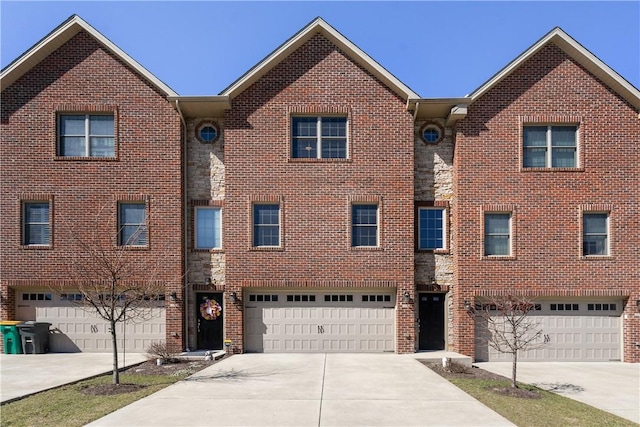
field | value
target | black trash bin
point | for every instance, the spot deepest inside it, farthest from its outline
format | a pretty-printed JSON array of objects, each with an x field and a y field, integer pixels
[{"x": 35, "y": 337}]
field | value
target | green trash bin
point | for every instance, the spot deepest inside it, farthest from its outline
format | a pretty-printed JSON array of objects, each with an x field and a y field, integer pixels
[{"x": 11, "y": 336}]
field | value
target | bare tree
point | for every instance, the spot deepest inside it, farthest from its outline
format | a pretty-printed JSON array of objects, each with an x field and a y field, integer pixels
[
  {"x": 115, "y": 283},
  {"x": 510, "y": 328}
]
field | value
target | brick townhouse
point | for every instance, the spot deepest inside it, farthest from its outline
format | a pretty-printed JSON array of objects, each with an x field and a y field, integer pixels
[{"x": 319, "y": 204}]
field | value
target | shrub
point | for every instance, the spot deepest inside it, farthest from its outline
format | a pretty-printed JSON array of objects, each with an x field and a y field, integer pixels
[{"x": 159, "y": 350}]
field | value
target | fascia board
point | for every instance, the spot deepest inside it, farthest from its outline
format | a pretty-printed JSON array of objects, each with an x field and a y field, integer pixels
[
  {"x": 57, "y": 38},
  {"x": 580, "y": 54},
  {"x": 318, "y": 25}
]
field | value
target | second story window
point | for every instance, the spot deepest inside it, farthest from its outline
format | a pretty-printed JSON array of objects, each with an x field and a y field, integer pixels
[
  {"x": 497, "y": 234},
  {"x": 208, "y": 228},
  {"x": 595, "y": 233},
  {"x": 86, "y": 135},
  {"x": 431, "y": 228},
  {"x": 266, "y": 225},
  {"x": 319, "y": 137},
  {"x": 550, "y": 146},
  {"x": 132, "y": 224},
  {"x": 364, "y": 225},
  {"x": 35, "y": 224}
]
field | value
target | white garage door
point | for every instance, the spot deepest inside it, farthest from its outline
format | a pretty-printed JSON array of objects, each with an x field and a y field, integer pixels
[
  {"x": 74, "y": 329},
  {"x": 320, "y": 322},
  {"x": 588, "y": 331}
]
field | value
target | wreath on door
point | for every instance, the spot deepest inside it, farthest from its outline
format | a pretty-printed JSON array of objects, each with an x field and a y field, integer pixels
[{"x": 210, "y": 309}]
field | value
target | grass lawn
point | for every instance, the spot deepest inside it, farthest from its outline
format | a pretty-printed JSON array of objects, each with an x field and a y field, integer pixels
[
  {"x": 549, "y": 410},
  {"x": 72, "y": 406}
]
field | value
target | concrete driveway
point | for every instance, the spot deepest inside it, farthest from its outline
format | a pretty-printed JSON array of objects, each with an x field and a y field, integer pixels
[
  {"x": 309, "y": 390},
  {"x": 611, "y": 386},
  {"x": 24, "y": 374}
]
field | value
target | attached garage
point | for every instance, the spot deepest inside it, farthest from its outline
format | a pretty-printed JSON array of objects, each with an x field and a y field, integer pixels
[
  {"x": 322, "y": 321},
  {"x": 572, "y": 331},
  {"x": 74, "y": 329}
]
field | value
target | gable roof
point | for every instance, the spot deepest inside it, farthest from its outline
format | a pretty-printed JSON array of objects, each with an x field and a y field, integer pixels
[
  {"x": 62, "y": 34},
  {"x": 318, "y": 26},
  {"x": 576, "y": 51}
]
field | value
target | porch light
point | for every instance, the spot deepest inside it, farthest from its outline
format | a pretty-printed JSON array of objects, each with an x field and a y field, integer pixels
[
  {"x": 207, "y": 281},
  {"x": 638, "y": 304},
  {"x": 173, "y": 297},
  {"x": 406, "y": 297},
  {"x": 233, "y": 297},
  {"x": 467, "y": 305}
]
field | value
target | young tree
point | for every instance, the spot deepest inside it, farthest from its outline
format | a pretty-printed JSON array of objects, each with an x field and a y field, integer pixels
[
  {"x": 510, "y": 327},
  {"x": 116, "y": 283}
]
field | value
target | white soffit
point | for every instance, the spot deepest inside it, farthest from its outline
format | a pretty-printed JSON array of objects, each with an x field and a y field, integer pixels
[
  {"x": 318, "y": 25},
  {"x": 60, "y": 36},
  {"x": 581, "y": 55}
]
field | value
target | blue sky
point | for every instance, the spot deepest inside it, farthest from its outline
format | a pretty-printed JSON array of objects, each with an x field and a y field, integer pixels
[{"x": 439, "y": 49}]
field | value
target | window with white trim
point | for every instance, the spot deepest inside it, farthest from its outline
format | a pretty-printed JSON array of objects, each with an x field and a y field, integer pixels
[
  {"x": 595, "y": 233},
  {"x": 321, "y": 137},
  {"x": 553, "y": 146},
  {"x": 208, "y": 228},
  {"x": 497, "y": 234},
  {"x": 132, "y": 224},
  {"x": 86, "y": 135},
  {"x": 36, "y": 229},
  {"x": 431, "y": 228},
  {"x": 364, "y": 225},
  {"x": 266, "y": 225}
]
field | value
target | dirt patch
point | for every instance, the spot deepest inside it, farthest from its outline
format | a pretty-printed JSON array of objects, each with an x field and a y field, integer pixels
[
  {"x": 175, "y": 368},
  {"x": 480, "y": 374}
]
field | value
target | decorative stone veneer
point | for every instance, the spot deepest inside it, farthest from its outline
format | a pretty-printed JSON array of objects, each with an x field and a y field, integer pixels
[
  {"x": 205, "y": 185},
  {"x": 433, "y": 182}
]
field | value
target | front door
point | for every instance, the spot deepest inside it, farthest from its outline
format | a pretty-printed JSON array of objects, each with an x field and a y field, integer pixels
[
  {"x": 431, "y": 312},
  {"x": 209, "y": 315}
]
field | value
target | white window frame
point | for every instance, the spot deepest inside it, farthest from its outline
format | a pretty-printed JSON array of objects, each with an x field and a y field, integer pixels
[
  {"x": 87, "y": 135},
  {"x": 26, "y": 224},
  {"x": 509, "y": 235},
  {"x": 254, "y": 225},
  {"x": 217, "y": 227},
  {"x": 443, "y": 212},
  {"x": 377, "y": 225},
  {"x": 548, "y": 162},
  {"x": 607, "y": 235},
  {"x": 319, "y": 138}
]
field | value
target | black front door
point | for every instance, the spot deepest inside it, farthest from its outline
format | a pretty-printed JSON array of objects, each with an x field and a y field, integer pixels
[
  {"x": 209, "y": 315},
  {"x": 431, "y": 312}
]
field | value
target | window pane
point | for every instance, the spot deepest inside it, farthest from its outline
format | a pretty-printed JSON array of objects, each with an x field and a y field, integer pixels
[
  {"x": 133, "y": 228},
  {"x": 364, "y": 220},
  {"x": 535, "y": 136},
  {"x": 334, "y": 148},
  {"x": 304, "y": 126},
  {"x": 36, "y": 224},
  {"x": 563, "y": 157},
  {"x": 564, "y": 136},
  {"x": 102, "y": 147},
  {"x": 535, "y": 157},
  {"x": 595, "y": 223},
  {"x": 72, "y": 125},
  {"x": 101, "y": 125},
  {"x": 304, "y": 148},
  {"x": 208, "y": 228},
  {"x": 496, "y": 224},
  {"x": 431, "y": 229},
  {"x": 496, "y": 245},
  {"x": 594, "y": 245},
  {"x": 72, "y": 146},
  {"x": 266, "y": 225},
  {"x": 334, "y": 126}
]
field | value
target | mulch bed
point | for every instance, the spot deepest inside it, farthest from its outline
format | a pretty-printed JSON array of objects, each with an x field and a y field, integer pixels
[
  {"x": 459, "y": 371},
  {"x": 150, "y": 367}
]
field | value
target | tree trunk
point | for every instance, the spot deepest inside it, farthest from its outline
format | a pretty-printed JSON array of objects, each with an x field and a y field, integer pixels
[
  {"x": 114, "y": 341},
  {"x": 514, "y": 368}
]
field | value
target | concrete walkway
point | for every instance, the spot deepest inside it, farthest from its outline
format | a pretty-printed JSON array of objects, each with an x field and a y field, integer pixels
[
  {"x": 611, "y": 386},
  {"x": 309, "y": 390},
  {"x": 25, "y": 374}
]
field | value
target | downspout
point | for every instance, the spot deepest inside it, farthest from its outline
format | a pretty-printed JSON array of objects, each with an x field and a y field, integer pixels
[{"x": 185, "y": 215}]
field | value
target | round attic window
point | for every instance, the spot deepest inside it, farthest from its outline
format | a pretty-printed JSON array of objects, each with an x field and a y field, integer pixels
[
  {"x": 207, "y": 133},
  {"x": 431, "y": 133}
]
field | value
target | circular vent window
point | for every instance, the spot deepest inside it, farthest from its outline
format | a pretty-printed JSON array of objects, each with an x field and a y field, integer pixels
[
  {"x": 207, "y": 133},
  {"x": 431, "y": 133}
]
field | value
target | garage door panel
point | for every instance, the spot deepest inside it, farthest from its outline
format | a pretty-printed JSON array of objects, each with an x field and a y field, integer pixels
[
  {"x": 318, "y": 324},
  {"x": 575, "y": 331}
]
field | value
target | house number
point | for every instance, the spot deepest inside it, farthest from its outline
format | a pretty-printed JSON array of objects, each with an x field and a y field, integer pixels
[
  {"x": 320, "y": 329},
  {"x": 94, "y": 329},
  {"x": 547, "y": 338}
]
